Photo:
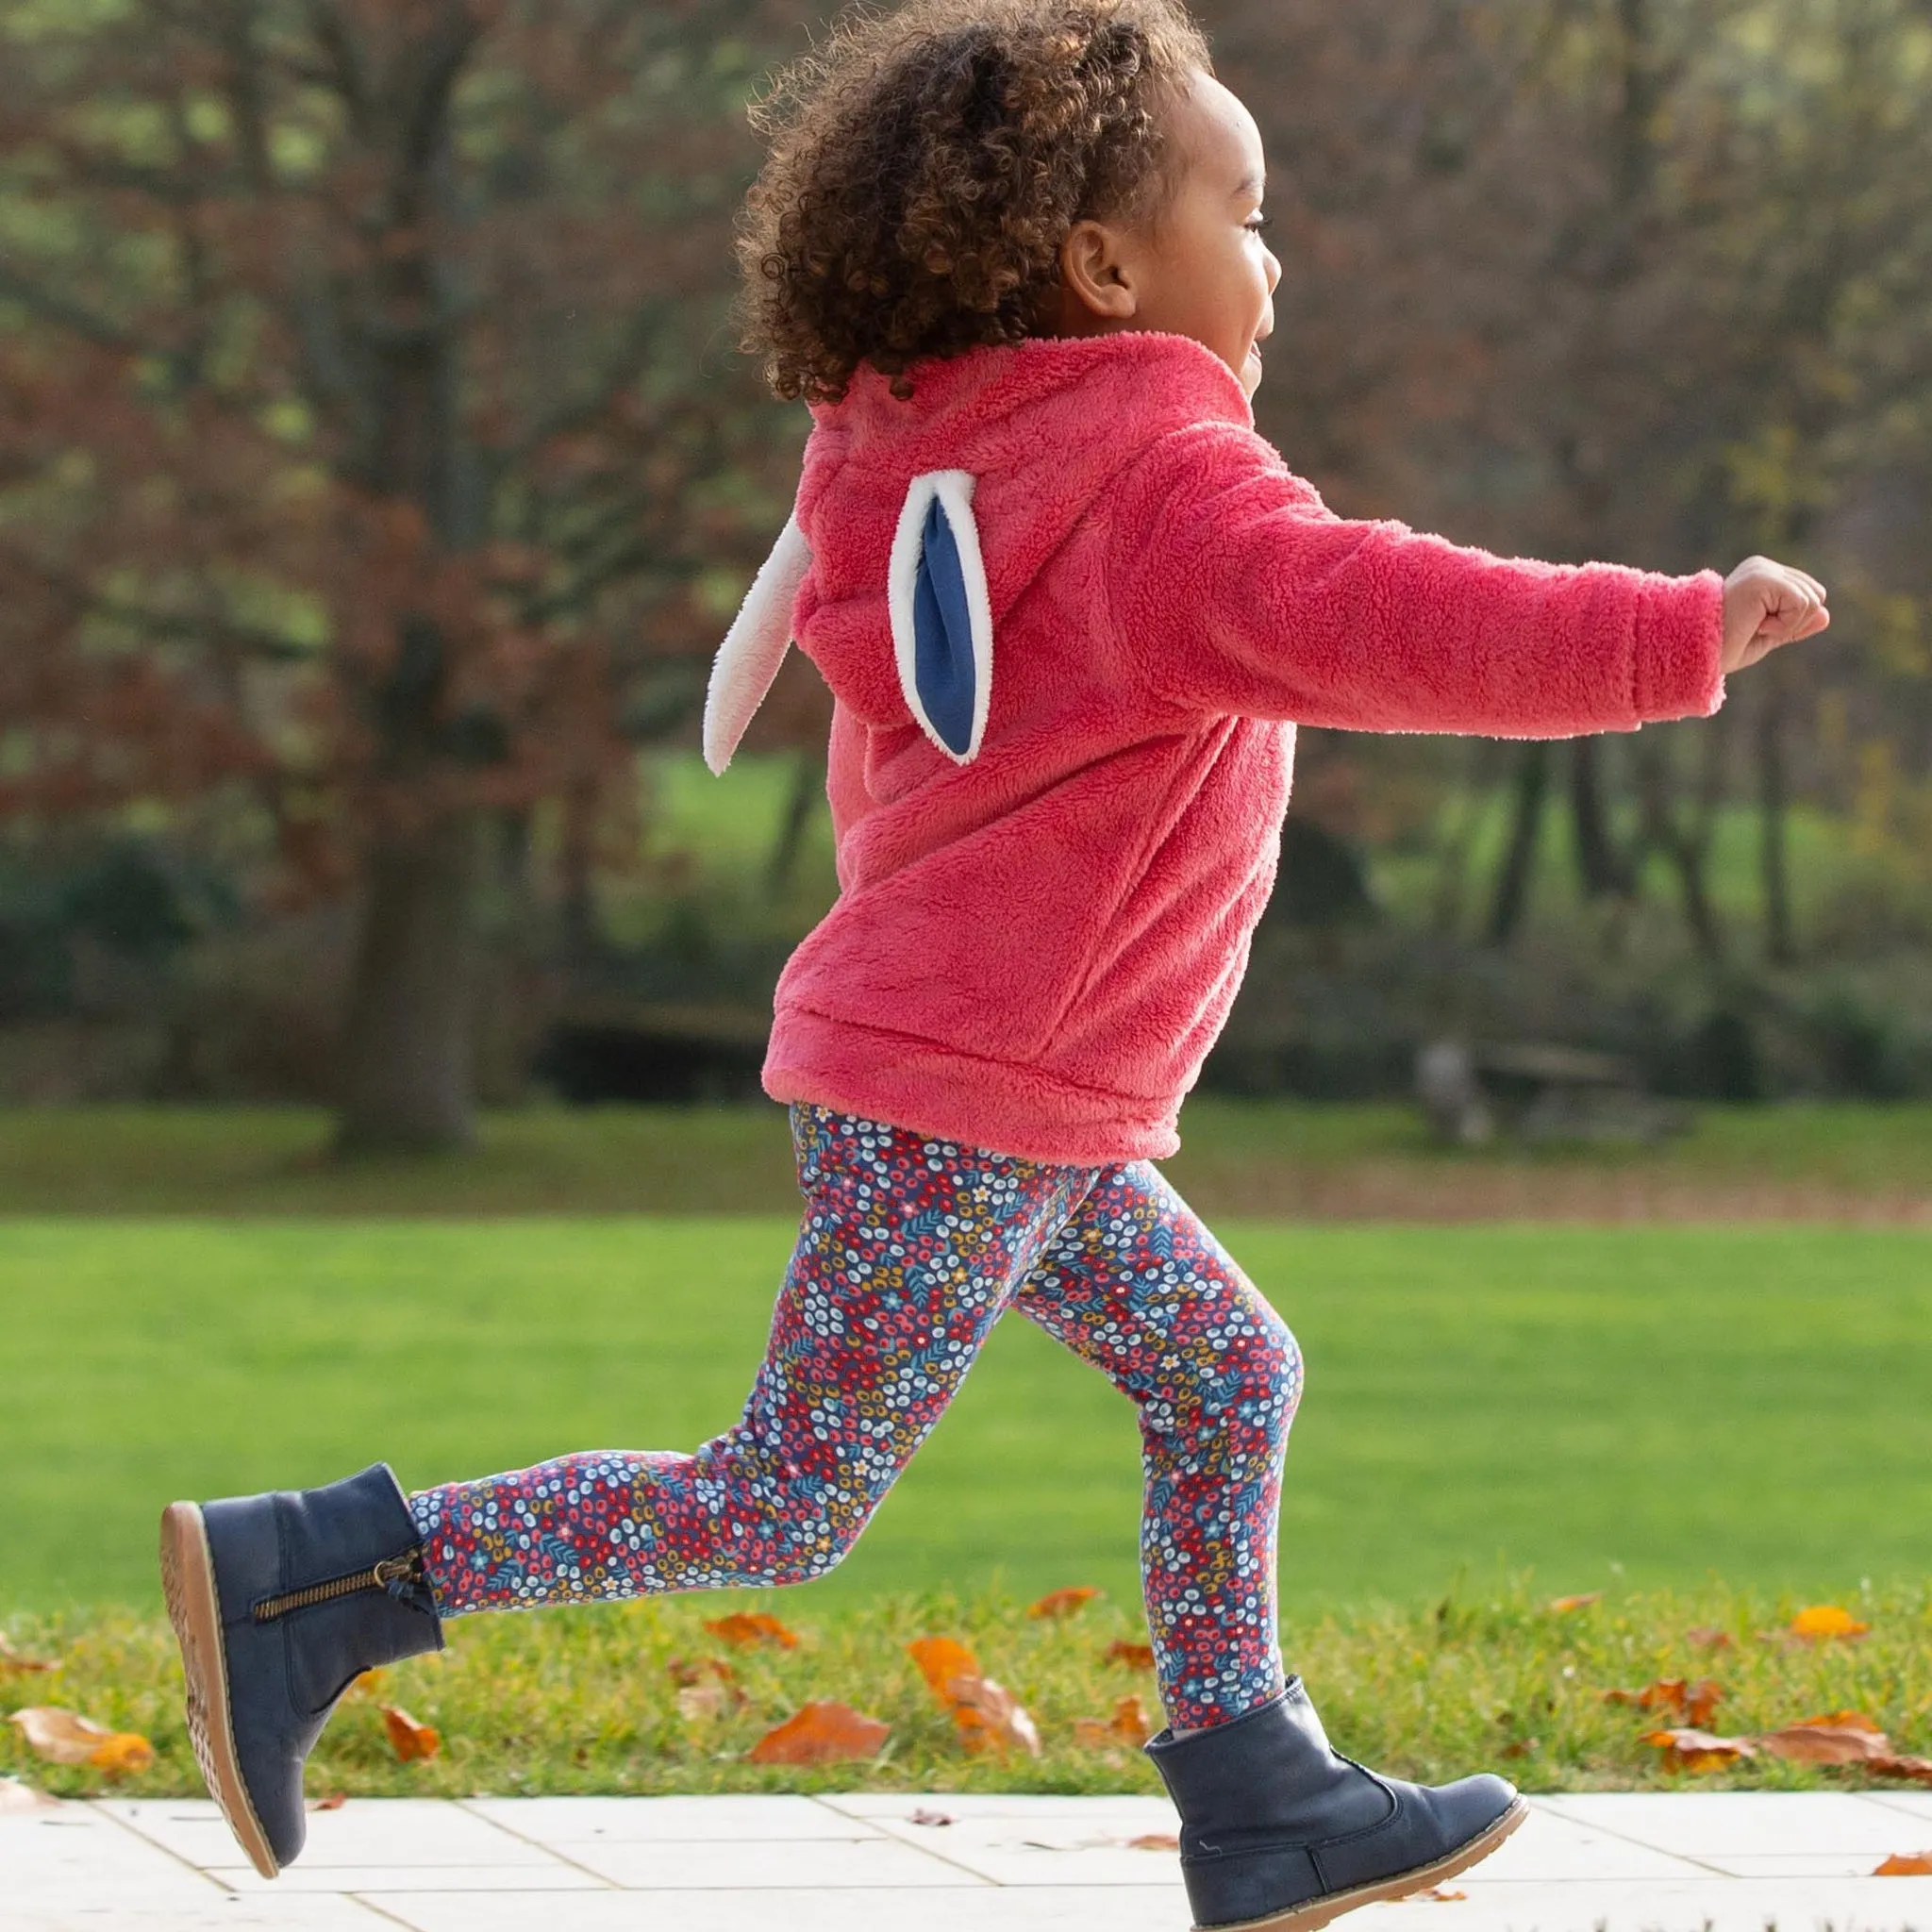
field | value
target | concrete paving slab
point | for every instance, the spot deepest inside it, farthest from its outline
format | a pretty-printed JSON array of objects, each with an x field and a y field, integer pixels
[
  {"x": 363, "y": 1831},
  {"x": 571, "y": 1821},
  {"x": 1711, "y": 1826},
  {"x": 991, "y": 1908},
  {"x": 788, "y": 1866},
  {"x": 1713, "y": 1905}
]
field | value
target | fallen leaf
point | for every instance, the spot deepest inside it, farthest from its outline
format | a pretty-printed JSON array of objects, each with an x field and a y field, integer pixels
[
  {"x": 684, "y": 1671},
  {"x": 1703, "y": 1697},
  {"x": 1440, "y": 1895},
  {"x": 924, "y": 1816},
  {"x": 1847, "y": 1720},
  {"x": 1127, "y": 1725},
  {"x": 367, "y": 1685},
  {"x": 1844, "y": 1738},
  {"x": 407, "y": 1737},
  {"x": 1135, "y": 1656},
  {"x": 62, "y": 1737},
  {"x": 334, "y": 1802},
  {"x": 122, "y": 1754},
  {"x": 742, "y": 1627},
  {"x": 1063, "y": 1603},
  {"x": 17, "y": 1797},
  {"x": 822, "y": 1733},
  {"x": 1523, "y": 1747},
  {"x": 1905, "y": 1865},
  {"x": 989, "y": 1716},
  {"x": 1694, "y": 1702},
  {"x": 1692, "y": 1750},
  {"x": 1155, "y": 1841},
  {"x": 941, "y": 1660},
  {"x": 985, "y": 1712},
  {"x": 1562, "y": 1605},
  {"x": 1917, "y": 1770},
  {"x": 1826, "y": 1621},
  {"x": 1667, "y": 1693},
  {"x": 1707, "y": 1637},
  {"x": 14, "y": 1665}
]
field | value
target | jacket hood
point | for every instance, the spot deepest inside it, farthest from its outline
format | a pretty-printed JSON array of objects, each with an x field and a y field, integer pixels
[{"x": 1042, "y": 425}]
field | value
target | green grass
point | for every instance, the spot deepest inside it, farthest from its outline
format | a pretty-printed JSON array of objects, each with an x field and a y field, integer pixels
[
  {"x": 1238, "y": 1157},
  {"x": 1649, "y": 1406},
  {"x": 585, "y": 1701}
]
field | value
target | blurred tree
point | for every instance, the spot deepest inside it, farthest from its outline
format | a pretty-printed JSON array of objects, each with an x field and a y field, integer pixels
[{"x": 370, "y": 446}]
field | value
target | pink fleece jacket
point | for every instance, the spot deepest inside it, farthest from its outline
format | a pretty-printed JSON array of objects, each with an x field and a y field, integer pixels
[{"x": 1032, "y": 952}]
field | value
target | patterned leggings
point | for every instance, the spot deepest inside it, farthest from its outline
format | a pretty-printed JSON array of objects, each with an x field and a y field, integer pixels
[{"x": 909, "y": 1250}]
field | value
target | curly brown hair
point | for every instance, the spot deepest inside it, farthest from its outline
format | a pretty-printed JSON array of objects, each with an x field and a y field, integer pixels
[{"x": 925, "y": 166}]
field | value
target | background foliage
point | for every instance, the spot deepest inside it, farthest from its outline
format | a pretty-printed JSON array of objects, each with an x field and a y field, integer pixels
[{"x": 377, "y": 471}]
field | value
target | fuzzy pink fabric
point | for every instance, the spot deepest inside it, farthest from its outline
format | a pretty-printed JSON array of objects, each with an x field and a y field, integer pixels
[{"x": 1034, "y": 952}]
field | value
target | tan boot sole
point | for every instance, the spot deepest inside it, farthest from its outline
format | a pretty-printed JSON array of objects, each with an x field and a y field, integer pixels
[
  {"x": 1321, "y": 1910},
  {"x": 188, "y": 1581}
]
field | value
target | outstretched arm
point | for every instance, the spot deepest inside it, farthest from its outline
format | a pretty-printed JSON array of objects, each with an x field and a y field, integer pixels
[{"x": 1238, "y": 590}]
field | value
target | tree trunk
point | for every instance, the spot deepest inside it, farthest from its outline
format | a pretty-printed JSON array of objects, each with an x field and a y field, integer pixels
[
  {"x": 1773, "y": 802},
  {"x": 1518, "y": 864},
  {"x": 808, "y": 792},
  {"x": 1600, "y": 867},
  {"x": 406, "y": 1045}
]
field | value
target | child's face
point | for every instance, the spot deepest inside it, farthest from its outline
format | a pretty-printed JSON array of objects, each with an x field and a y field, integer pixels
[{"x": 1202, "y": 269}]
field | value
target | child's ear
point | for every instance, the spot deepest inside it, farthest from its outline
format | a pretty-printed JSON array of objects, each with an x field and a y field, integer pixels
[{"x": 1091, "y": 274}]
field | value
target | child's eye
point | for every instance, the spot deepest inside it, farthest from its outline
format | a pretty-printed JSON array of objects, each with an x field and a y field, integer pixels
[{"x": 1259, "y": 222}]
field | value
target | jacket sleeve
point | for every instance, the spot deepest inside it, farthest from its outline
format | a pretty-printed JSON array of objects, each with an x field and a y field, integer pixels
[{"x": 1236, "y": 590}]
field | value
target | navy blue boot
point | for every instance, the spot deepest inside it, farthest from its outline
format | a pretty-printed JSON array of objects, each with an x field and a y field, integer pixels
[
  {"x": 1279, "y": 1834},
  {"x": 279, "y": 1602}
]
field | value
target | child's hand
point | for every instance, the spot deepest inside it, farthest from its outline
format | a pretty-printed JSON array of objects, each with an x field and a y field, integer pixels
[{"x": 1767, "y": 605}]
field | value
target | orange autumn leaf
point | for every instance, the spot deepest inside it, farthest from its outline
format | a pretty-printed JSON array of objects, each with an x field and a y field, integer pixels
[
  {"x": 1905, "y": 1865},
  {"x": 407, "y": 1737},
  {"x": 367, "y": 1685},
  {"x": 1063, "y": 1603},
  {"x": 822, "y": 1733},
  {"x": 1916, "y": 1770},
  {"x": 741, "y": 1628},
  {"x": 1694, "y": 1702},
  {"x": 1825, "y": 1621},
  {"x": 1692, "y": 1750},
  {"x": 942, "y": 1661},
  {"x": 1135, "y": 1656},
  {"x": 683, "y": 1671},
  {"x": 989, "y": 1717},
  {"x": 14, "y": 1665},
  {"x": 63, "y": 1736},
  {"x": 1562, "y": 1605},
  {"x": 1127, "y": 1725},
  {"x": 1155, "y": 1841}
]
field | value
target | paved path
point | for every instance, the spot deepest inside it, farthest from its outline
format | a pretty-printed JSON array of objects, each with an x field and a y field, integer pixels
[{"x": 1638, "y": 1863}]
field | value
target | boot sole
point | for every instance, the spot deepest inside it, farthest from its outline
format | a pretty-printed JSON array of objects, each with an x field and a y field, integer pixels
[
  {"x": 1320, "y": 1911},
  {"x": 188, "y": 1582}
]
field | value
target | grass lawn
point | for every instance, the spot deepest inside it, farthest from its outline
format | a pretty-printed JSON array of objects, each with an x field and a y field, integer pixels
[
  {"x": 1260, "y": 1159},
  {"x": 1609, "y": 1408},
  {"x": 587, "y": 1701}
]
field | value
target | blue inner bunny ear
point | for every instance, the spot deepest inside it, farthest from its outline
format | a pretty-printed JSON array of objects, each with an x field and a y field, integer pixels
[{"x": 944, "y": 670}]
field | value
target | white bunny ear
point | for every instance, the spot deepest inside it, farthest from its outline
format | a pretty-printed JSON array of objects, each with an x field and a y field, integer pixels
[{"x": 754, "y": 646}]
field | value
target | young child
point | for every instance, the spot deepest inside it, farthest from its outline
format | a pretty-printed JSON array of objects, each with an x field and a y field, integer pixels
[{"x": 1069, "y": 606}]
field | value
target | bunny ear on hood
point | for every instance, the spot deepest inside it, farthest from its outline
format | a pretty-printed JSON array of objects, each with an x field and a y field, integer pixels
[{"x": 754, "y": 646}]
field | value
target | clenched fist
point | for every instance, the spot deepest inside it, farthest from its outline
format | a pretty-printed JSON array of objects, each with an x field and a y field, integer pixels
[{"x": 1767, "y": 605}]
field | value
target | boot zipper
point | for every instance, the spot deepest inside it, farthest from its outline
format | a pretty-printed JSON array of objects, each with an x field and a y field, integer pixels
[{"x": 391, "y": 1569}]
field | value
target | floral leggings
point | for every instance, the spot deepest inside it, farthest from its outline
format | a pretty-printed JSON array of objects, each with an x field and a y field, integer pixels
[{"x": 911, "y": 1249}]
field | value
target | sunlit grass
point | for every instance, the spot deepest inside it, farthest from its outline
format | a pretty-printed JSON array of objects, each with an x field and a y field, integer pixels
[{"x": 584, "y": 1701}]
